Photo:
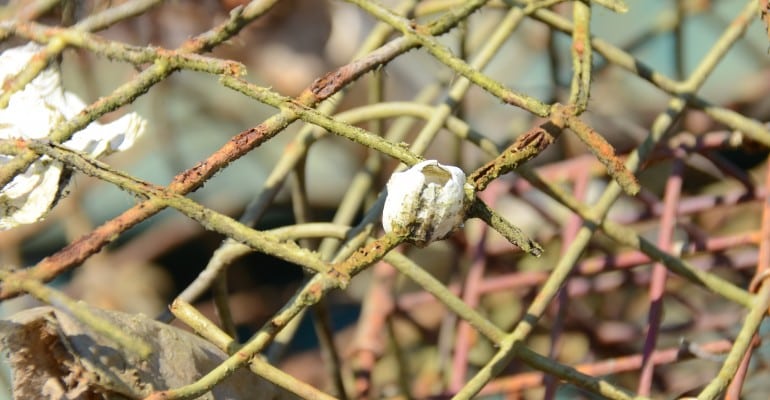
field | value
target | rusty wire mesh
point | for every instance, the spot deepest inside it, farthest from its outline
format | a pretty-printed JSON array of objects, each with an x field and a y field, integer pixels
[{"x": 640, "y": 185}]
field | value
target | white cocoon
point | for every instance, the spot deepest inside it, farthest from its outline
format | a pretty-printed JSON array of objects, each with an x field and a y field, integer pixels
[{"x": 426, "y": 202}]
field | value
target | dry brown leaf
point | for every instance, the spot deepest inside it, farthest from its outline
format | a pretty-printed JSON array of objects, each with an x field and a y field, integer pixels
[{"x": 54, "y": 356}]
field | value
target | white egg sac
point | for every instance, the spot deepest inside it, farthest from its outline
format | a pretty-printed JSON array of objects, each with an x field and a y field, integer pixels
[{"x": 426, "y": 202}]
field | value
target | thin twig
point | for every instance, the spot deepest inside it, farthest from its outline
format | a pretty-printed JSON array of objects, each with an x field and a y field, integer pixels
[
  {"x": 78, "y": 310},
  {"x": 202, "y": 326},
  {"x": 658, "y": 280}
]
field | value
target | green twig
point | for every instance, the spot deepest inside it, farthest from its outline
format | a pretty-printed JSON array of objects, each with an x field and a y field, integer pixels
[
  {"x": 127, "y": 92},
  {"x": 420, "y": 34},
  {"x": 612, "y": 53},
  {"x": 750, "y": 127},
  {"x": 716, "y": 53},
  {"x": 432, "y": 285},
  {"x": 581, "y": 56},
  {"x": 741, "y": 345},
  {"x": 204, "y": 327},
  {"x": 511, "y": 232},
  {"x": 117, "y": 13},
  {"x": 617, "y": 56},
  {"x": 442, "y": 112},
  {"x": 418, "y": 110},
  {"x": 78, "y": 310},
  {"x": 322, "y": 323},
  {"x": 338, "y": 276},
  {"x": 356, "y": 134},
  {"x": 261, "y": 241},
  {"x": 221, "y": 296},
  {"x": 629, "y": 237},
  {"x": 305, "y": 297},
  {"x": 592, "y": 384},
  {"x": 321, "y": 317},
  {"x": 495, "y": 334},
  {"x": 138, "y": 56}
]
